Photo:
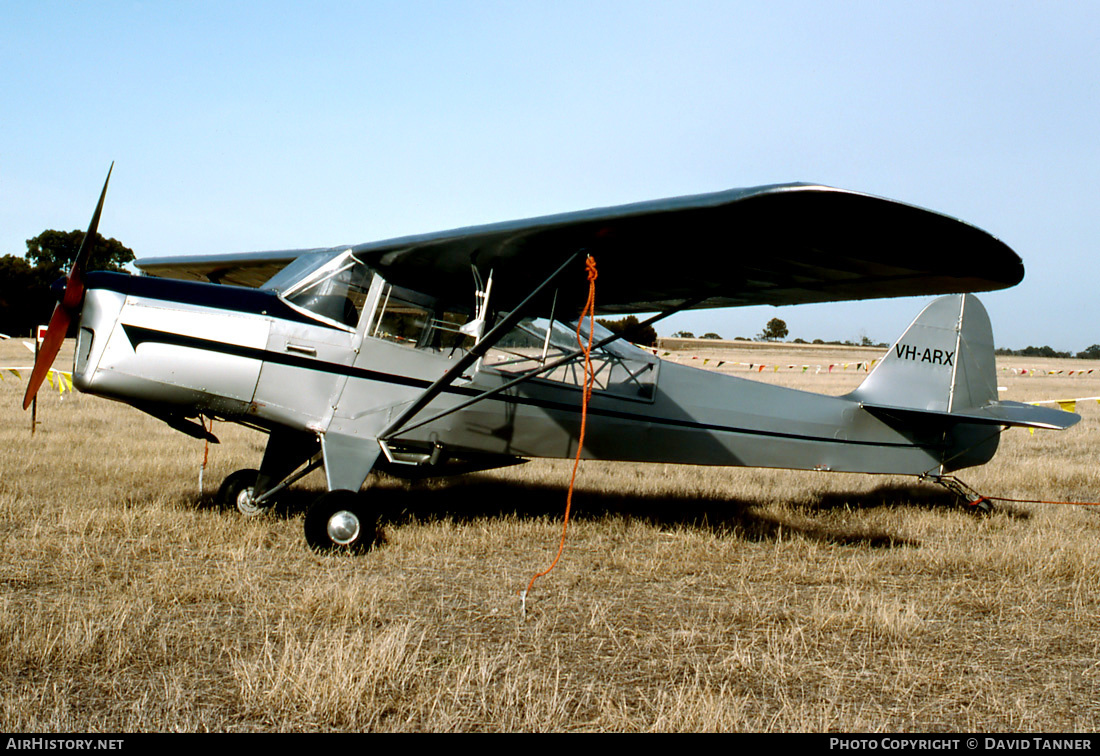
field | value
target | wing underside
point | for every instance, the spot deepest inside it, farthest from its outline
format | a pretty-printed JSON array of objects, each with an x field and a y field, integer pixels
[
  {"x": 778, "y": 245},
  {"x": 250, "y": 269}
]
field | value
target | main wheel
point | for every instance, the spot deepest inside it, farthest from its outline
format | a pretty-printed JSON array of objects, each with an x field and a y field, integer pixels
[
  {"x": 339, "y": 521},
  {"x": 236, "y": 491}
]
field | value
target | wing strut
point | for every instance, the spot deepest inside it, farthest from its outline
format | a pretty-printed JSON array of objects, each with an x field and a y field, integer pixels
[
  {"x": 496, "y": 333},
  {"x": 394, "y": 428}
]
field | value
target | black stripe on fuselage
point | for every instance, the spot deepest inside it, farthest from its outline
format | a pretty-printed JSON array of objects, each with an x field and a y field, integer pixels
[{"x": 138, "y": 335}]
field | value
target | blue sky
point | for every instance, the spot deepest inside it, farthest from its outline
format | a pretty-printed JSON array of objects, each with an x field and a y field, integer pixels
[{"x": 239, "y": 126}]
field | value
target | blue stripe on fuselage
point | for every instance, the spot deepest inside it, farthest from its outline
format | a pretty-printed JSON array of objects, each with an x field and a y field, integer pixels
[{"x": 218, "y": 296}]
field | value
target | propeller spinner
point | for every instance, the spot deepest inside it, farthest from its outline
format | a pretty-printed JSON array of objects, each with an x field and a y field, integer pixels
[{"x": 69, "y": 306}]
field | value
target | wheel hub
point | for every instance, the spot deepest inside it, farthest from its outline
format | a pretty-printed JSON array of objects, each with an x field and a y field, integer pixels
[
  {"x": 343, "y": 527},
  {"x": 246, "y": 504}
]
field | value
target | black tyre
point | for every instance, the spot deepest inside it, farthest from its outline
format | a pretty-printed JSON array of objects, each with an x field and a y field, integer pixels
[
  {"x": 339, "y": 521},
  {"x": 236, "y": 493}
]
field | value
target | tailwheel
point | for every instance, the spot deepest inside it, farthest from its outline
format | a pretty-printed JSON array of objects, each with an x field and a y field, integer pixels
[
  {"x": 966, "y": 495},
  {"x": 340, "y": 522},
  {"x": 980, "y": 504},
  {"x": 237, "y": 491}
]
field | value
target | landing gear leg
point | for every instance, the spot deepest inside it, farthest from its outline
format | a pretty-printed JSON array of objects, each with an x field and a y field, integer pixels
[{"x": 253, "y": 492}]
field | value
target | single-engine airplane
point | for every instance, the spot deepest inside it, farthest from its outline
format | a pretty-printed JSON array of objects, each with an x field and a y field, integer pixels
[{"x": 456, "y": 350}]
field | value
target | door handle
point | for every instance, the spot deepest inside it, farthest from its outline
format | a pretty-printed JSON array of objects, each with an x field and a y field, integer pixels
[{"x": 301, "y": 349}]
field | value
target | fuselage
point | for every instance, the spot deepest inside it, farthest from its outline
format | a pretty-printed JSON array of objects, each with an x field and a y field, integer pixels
[{"x": 253, "y": 356}]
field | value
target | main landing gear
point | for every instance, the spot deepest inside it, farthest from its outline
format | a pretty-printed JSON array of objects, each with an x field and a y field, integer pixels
[
  {"x": 341, "y": 522},
  {"x": 337, "y": 522},
  {"x": 237, "y": 490}
]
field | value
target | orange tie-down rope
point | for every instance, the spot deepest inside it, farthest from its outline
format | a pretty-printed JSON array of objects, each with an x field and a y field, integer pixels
[
  {"x": 589, "y": 311},
  {"x": 205, "y": 450},
  {"x": 975, "y": 499},
  {"x": 1032, "y": 501}
]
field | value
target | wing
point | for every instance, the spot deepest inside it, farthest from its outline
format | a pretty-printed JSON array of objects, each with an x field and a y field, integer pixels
[
  {"x": 248, "y": 269},
  {"x": 778, "y": 245}
]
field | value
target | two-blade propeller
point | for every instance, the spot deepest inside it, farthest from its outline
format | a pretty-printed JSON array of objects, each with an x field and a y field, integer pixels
[{"x": 68, "y": 307}]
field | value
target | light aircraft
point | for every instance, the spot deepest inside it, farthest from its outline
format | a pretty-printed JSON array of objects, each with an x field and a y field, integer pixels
[{"x": 456, "y": 351}]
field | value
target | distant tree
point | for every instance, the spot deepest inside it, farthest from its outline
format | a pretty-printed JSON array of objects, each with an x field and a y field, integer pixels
[
  {"x": 817, "y": 341},
  {"x": 711, "y": 335},
  {"x": 775, "y": 330},
  {"x": 1092, "y": 353},
  {"x": 683, "y": 335},
  {"x": 1043, "y": 351},
  {"x": 645, "y": 336},
  {"x": 25, "y": 298},
  {"x": 54, "y": 251},
  {"x": 799, "y": 341}
]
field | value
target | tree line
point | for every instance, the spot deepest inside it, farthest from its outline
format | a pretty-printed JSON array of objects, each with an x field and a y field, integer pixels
[
  {"x": 25, "y": 297},
  {"x": 1091, "y": 353}
]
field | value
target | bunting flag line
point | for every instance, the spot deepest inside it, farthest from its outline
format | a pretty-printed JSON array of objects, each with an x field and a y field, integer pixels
[
  {"x": 59, "y": 379},
  {"x": 1033, "y": 372},
  {"x": 864, "y": 367},
  {"x": 759, "y": 367},
  {"x": 1068, "y": 405}
]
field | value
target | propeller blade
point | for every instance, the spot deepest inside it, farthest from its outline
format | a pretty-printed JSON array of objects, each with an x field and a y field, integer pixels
[
  {"x": 47, "y": 353},
  {"x": 69, "y": 306},
  {"x": 73, "y": 294}
]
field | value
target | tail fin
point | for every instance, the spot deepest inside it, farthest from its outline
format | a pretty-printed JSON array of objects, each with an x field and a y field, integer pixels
[{"x": 944, "y": 365}]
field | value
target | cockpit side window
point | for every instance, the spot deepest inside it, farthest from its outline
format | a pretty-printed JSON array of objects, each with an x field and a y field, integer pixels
[
  {"x": 618, "y": 367},
  {"x": 415, "y": 320}
]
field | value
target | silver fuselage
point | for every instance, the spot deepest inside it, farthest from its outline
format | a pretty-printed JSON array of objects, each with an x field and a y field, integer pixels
[{"x": 245, "y": 355}]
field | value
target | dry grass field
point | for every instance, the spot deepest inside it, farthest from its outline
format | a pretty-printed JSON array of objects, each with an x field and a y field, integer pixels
[{"x": 688, "y": 598}]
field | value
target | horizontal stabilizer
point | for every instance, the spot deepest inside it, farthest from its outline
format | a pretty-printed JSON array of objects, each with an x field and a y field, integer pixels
[{"x": 997, "y": 413}]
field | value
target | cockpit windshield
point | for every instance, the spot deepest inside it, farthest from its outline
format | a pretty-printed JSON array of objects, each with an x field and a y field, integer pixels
[{"x": 331, "y": 287}]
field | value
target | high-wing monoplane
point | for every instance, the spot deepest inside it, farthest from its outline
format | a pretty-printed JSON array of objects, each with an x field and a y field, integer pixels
[{"x": 458, "y": 350}]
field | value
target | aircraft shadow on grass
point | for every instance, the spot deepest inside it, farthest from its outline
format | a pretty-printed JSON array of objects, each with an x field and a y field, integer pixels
[{"x": 476, "y": 497}]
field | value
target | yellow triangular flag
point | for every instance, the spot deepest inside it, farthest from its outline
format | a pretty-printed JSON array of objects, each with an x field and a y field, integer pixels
[{"x": 1069, "y": 405}]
